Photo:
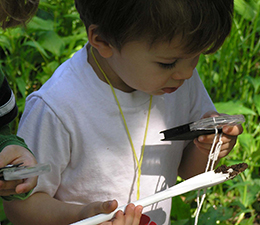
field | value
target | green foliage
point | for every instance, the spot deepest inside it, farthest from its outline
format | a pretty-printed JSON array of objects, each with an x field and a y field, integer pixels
[
  {"x": 231, "y": 76},
  {"x": 29, "y": 56}
]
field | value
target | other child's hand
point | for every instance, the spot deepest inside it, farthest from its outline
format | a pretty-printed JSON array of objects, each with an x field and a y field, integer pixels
[{"x": 14, "y": 154}]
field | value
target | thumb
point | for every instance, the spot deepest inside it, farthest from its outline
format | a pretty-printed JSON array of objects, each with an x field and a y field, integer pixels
[
  {"x": 210, "y": 114},
  {"x": 95, "y": 208},
  {"x": 108, "y": 206}
]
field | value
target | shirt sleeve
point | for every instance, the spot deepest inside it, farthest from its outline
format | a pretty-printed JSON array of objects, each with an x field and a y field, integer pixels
[
  {"x": 49, "y": 140},
  {"x": 8, "y": 107}
]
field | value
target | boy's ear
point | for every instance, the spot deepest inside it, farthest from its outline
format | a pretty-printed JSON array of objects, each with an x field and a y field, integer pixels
[{"x": 102, "y": 46}]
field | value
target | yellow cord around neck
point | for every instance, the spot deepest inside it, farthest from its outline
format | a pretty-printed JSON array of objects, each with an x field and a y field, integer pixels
[{"x": 138, "y": 162}]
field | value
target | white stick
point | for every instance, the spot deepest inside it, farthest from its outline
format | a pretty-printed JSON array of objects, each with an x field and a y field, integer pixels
[{"x": 200, "y": 181}]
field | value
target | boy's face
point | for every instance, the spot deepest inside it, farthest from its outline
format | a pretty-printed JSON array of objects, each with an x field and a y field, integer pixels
[{"x": 156, "y": 71}]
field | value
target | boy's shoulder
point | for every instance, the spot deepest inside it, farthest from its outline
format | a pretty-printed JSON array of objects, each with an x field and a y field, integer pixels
[
  {"x": 72, "y": 83},
  {"x": 67, "y": 78}
]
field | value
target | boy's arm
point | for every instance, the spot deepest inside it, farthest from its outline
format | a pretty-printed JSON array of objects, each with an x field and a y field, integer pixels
[
  {"x": 40, "y": 208},
  {"x": 193, "y": 162}
]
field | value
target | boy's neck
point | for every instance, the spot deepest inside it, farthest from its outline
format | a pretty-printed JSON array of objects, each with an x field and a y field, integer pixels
[{"x": 114, "y": 79}]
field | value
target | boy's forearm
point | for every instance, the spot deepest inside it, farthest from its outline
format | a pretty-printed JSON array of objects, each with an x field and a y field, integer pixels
[
  {"x": 193, "y": 162},
  {"x": 39, "y": 209}
]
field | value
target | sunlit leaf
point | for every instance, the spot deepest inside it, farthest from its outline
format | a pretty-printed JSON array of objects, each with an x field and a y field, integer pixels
[
  {"x": 246, "y": 9},
  {"x": 233, "y": 108},
  {"x": 246, "y": 140}
]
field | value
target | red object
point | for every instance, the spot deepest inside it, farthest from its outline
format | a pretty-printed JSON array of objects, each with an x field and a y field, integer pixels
[{"x": 145, "y": 220}]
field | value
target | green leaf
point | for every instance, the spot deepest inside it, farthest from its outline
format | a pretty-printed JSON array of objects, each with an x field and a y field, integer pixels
[
  {"x": 248, "y": 221},
  {"x": 256, "y": 155},
  {"x": 52, "y": 42},
  {"x": 233, "y": 108},
  {"x": 5, "y": 42},
  {"x": 257, "y": 103},
  {"x": 246, "y": 140},
  {"x": 213, "y": 215},
  {"x": 37, "y": 46},
  {"x": 50, "y": 67},
  {"x": 40, "y": 24},
  {"x": 251, "y": 194},
  {"x": 255, "y": 81},
  {"x": 180, "y": 210},
  {"x": 182, "y": 222},
  {"x": 21, "y": 85}
]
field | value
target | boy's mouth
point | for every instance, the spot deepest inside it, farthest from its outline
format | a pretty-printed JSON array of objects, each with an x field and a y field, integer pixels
[{"x": 169, "y": 90}]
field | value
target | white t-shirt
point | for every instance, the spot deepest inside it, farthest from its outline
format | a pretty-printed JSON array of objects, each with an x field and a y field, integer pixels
[{"x": 73, "y": 122}]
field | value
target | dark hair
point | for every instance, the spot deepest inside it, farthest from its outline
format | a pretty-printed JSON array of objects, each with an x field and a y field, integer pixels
[
  {"x": 203, "y": 24},
  {"x": 16, "y": 12}
]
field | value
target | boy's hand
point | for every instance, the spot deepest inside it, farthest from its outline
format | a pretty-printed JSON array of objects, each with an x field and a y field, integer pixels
[
  {"x": 14, "y": 154},
  {"x": 229, "y": 138},
  {"x": 131, "y": 216}
]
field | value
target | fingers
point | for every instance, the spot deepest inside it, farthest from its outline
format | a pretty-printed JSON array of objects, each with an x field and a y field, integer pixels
[
  {"x": 8, "y": 187},
  {"x": 27, "y": 185},
  {"x": 210, "y": 114},
  {"x": 108, "y": 206},
  {"x": 204, "y": 144},
  {"x": 138, "y": 215},
  {"x": 14, "y": 154},
  {"x": 95, "y": 208},
  {"x": 233, "y": 130},
  {"x": 131, "y": 216}
]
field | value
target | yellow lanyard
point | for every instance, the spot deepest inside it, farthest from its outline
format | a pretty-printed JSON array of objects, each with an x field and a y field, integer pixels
[{"x": 138, "y": 162}]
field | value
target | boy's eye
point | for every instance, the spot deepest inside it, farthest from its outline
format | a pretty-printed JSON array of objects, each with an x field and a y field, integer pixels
[{"x": 167, "y": 65}]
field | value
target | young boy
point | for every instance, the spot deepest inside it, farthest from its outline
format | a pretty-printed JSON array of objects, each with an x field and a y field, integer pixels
[
  {"x": 97, "y": 120},
  {"x": 12, "y": 148}
]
